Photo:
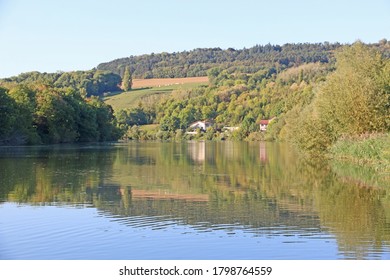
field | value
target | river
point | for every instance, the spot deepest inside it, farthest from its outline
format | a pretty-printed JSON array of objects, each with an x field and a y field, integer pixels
[{"x": 190, "y": 200}]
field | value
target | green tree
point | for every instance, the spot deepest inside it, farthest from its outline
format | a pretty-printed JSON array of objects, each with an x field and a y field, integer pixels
[
  {"x": 353, "y": 101},
  {"x": 248, "y": 124},
  {"x": 25, "y": 101},
  {"x": 127, "y": 81},
  {"x": 187, "y": 116},
  {"x": 354, "y": 98},
  {"x": 106, "y": 122},
  {"x": 54, "y": 117},
  {"x": 7, "y": 114}
]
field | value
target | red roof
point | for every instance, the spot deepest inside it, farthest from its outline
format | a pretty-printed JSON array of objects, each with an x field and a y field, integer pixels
[{"x": 264, "y": 122}]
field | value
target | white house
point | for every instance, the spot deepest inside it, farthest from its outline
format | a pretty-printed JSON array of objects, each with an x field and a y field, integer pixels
[{"x": 202, "y": 125}]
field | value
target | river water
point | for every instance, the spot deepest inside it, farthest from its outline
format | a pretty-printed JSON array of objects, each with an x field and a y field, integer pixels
[{"x": 191, "y": 200}]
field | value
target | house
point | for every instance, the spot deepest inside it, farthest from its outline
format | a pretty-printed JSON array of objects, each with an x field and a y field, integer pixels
[
  {"x": 264, "y": 124},
  {"x": 202, "y": 125}
]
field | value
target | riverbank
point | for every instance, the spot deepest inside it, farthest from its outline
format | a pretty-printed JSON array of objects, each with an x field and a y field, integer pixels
[{"x": 371, "y": 149}]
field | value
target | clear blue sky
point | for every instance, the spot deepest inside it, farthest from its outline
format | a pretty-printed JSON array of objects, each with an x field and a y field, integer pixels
[{"x": 50, "y": 35}]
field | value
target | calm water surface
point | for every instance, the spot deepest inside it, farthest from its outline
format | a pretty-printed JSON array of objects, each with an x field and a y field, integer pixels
[{"x": 196, "y": 200}]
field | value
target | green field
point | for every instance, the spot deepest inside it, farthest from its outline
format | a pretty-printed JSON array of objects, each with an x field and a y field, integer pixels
[{"x": 130, "y": 99}]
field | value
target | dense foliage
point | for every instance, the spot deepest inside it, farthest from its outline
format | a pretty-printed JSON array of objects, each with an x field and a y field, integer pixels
[
  {"x": 231, "y": 100},
  {"x": 47, "y": 115},
  {"x": 197, "y": 62},
  {"x": 312, "y": 105},
  {"x": 88, "y": 83},
  {"x": 354, "y": 100}
]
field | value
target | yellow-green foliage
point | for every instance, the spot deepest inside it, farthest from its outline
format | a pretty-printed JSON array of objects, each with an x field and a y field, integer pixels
[
  {"x": 355, "y": 94},
  {"x": 353, "y": 100},
  {"x": 309, "y": 71}
]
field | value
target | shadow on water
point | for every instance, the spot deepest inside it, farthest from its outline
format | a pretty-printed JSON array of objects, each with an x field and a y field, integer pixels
[{"x": 261, "y": 188}]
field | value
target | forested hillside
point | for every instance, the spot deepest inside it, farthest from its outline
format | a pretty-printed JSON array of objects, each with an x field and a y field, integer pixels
[{"x": 197, "y": 62}]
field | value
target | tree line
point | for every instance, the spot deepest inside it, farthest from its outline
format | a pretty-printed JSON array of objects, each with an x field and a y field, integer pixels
[
  {"x": 42, "y": 114},
  {"x": 197, "y": 62},
  {"x": 88, "y": 83}
]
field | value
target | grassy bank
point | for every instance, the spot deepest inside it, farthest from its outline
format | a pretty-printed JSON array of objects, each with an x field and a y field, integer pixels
[{"x": 372, "y": 150}]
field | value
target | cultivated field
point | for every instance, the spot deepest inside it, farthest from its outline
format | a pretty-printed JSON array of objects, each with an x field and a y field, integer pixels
[
  {"x": 148, "y": 90},
  {"x": 143, "y": 83}
]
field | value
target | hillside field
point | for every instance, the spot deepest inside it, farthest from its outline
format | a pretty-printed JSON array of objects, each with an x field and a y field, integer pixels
[
  {"x": 144, "y": 88},
  {"x": 142, "y": 83}
]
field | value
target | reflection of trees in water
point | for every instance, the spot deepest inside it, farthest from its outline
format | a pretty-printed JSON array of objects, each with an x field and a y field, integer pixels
[
  {"x": 257, "y": 214},
  {"x": 206, "y": 184},
  {"x": 356, "y": 215},
  {"x": 356, "y": 211},
  {"x": 53, "y": 174}
]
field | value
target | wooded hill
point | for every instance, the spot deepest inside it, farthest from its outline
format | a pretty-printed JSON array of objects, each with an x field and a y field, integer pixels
[
  {"x": 107, "y": 77},
  {"x": 197, "y": 62}
]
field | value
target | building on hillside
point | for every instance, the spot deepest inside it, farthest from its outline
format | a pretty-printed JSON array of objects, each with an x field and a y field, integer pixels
[
  {"x": 202, "y": 125},
  {"x": 264, "y": 124}
]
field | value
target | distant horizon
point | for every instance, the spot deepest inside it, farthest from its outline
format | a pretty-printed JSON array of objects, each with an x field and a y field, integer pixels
[{"x": 50, "y": 36}]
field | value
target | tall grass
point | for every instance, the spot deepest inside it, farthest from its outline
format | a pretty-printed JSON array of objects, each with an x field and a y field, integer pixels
[{"x": 369, "y": 149}]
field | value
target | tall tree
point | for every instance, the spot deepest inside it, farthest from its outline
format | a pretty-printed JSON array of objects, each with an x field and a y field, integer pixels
[
  {"x": 354, "y": 100},
  {"x": 127, "y": 81},
  {"x": 7, "y": 114}
]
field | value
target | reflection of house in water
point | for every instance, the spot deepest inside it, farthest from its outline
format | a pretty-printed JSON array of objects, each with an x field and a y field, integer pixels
[
  {"x": 197, "y": 151},
  {"x": 263, "y": 152}
]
